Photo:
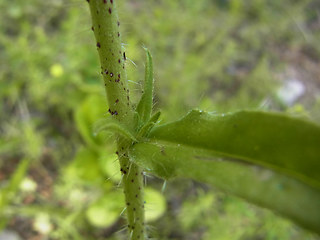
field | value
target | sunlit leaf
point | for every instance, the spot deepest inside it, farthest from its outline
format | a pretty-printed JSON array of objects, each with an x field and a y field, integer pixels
[
  {"x": 85, "y": 167},
  {"x": 86, "y": 114},
  {"x": 106, "y": 210},
  {"x": 110, "y": 165},
  {"x": 155, "y": 204}
]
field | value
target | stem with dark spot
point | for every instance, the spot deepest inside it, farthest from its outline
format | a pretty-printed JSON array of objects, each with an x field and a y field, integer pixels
[{"x": 105, "y": 25}]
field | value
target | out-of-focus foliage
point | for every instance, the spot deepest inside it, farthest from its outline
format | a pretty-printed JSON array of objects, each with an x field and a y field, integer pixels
[{"x": 216, "y": 55}]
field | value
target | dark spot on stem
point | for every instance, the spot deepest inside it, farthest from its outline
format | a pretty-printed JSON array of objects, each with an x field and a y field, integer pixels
[
  {"x": 104, "y": 1},
  {"x": 119, "y": 61},
  {"x": 117, "y": 100},
  {"x": 118, "y": 34},
  {"x": 118, "y": 23},
  {"x": 98, "y": 45},
  {"x": 110, "y": 11},
  {"x": 111, "y": 1},
  {"x": 124, "y": 56},
  {"x": 123, "y": 171},
  {"x": 92, "y": 28},
  {"x": 113, "y": 113},
  {"x": 111, "y": 74}
]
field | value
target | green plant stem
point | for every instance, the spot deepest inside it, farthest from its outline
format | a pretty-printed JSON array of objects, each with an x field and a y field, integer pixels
[
  {"x": 105, "y": 25},
  {"x": 133, "y": 190}
]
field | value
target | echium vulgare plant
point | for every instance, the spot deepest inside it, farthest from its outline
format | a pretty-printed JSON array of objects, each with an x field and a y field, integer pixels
[{"x": 269, "y": 159}]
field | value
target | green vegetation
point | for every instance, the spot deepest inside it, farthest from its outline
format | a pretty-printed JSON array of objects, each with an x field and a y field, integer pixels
[{"x": 60, "y": 179}]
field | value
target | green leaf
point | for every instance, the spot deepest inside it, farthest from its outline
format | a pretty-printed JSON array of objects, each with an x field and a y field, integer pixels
[
  {"x": 144, "y": 107},
  {"x": 106, "y": 210},
  {"x": 155, "y": 117},
  {"x": 289, "y": 145},
  {"x": 144, "y": 130},
  {"x": 269, "y": 159},
  {"x": 86, "y": 114},
  {"x": 285, "y": 195},
  {"x": 155, "y": 204},
  {"x": 8, "y": 192},
  {"x": 85, "y": 167},
  {"x": 113, "y": 126},
  {"x": 110, "y": 166}
]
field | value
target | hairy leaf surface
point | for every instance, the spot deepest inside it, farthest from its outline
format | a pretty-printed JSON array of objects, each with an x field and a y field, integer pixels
[
  {"x": 285, "y": 195},
  {"x": 144, "y": 107},
  {"x": 289, "y": 145},
  {"x": 113, "y": 126},
  {"x": 269, "y": 159}
]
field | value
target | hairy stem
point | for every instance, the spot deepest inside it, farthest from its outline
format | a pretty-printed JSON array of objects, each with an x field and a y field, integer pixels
[
  {"x": 133, "y": 190},
  {"x": 105, "y": 25}
]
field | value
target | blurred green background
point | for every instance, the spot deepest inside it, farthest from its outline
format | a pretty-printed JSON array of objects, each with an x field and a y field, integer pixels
[{"x": 59, "y": 181}]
